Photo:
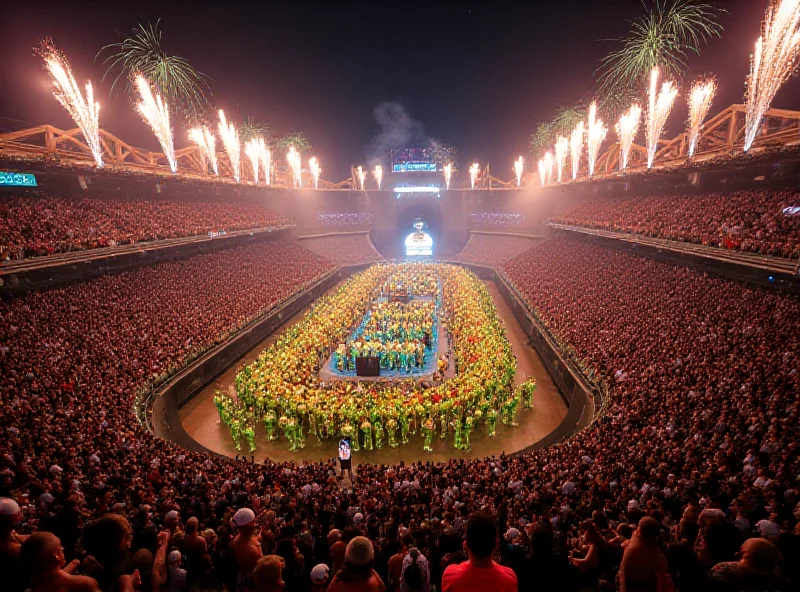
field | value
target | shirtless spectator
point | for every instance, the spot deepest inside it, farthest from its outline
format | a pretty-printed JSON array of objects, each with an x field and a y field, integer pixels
[{"x": 42, "y": 556}]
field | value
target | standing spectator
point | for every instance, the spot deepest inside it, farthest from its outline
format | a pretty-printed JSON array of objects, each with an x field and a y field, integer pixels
[
  {"x": 416, "y": 574},
  {"x": 320, "y": 576},
  {"x": 480, "y": 573},
  {"x": 395, "y": 569},
  {"x": 246, "y": 544},
  {"x": 268, "y": 574},
  {"x": 357, "y": 574},
  {"x": 338, "y": 548},
  {"x": 756, "y": 570},
  {"x": 644, "y": 565},
  {"x": 10, "y": 543},
  {"x": 176, "y": 575}
]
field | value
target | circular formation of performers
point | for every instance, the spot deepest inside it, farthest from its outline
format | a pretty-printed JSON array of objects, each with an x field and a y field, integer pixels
[{"x": 282, "y": 388}]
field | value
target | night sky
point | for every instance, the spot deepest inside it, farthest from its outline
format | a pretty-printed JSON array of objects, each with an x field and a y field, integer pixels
[{"x": 479, "y": 75}]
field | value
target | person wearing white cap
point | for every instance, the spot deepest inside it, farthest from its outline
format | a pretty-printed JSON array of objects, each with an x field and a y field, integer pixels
[
  {"x": 416, "y": 574},
  {"x": 357, "y": 574},
  {"x": 10, "y": 543},
  {"x": 319, "y": 577},
  {"x": 177, "y": 575},
  {"x": 246, "y": 544}
]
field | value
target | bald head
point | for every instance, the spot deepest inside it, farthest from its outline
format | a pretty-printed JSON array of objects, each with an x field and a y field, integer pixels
[
  {"x": 192, "y": 524},
  {"x": 759, "y": 555},
  {"x": 41, "y": 552}
]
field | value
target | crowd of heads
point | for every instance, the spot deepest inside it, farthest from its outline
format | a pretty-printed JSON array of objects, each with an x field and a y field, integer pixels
[
  {"x": 41, "y": 225},
  {"x": 493, "y": 249},
  {"x": 694, "y": 461},
  {"x": 349, "y": 249},
  {"x": 749, "y": 221}
]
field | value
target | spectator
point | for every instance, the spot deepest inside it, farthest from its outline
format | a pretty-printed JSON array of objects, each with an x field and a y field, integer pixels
[
  {"x": 268, "y": 574},
  {"x": 644, "y": 567},
  {"x": 357, "y": 574},
  {"x": 42, "y": 556},
  {"x": 10, "y": 544},
  {"x": 415, "y": 575},
  {"x": 756, "y": 570},
  {"x": 320, "y": 577},
  {"x": 480, "y": 573}
]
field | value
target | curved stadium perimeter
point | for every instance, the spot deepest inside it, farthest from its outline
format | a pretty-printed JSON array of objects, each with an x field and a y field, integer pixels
[{"x": 666, "y": 352}]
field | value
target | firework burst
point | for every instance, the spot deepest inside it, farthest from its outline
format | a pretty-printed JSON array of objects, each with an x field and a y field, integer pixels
[
  {"x": 474, "y": 169},
  {"x": 85, "y": 112},
  {"x": 378, "y": 174},
  {"x": 562, "y": 147},
  {"x": 233, "y": 148},
  {"x": 542, "y": 164},
  {"x": 627, "y": 128},
  {"x": 776, "y": 57},
  {"x": 660, "y": 105},
  {"x": 293, "y": 158},
  {"x": 253, "y": 151},
  {"x": 205, "y": 139},
  {"x": 173, "y": 77},
  {"x": 155, "y": 112},
  {"x": 313, "y": 166},
  {"x": 700, "y": 99},
  {"x": 575, "y": 148},
  {"x": 448, "y": 173},
  {"x": 595, "y": 134}
]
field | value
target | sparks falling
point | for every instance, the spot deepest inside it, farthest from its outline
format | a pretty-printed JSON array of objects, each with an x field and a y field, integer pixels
[
  {"x": 293, "y": 158},
  {"x": 448, "y": 173},
  {"x": 627, "y": 128},
  {"x": 266, "y": 160},
  {"x": 313, "y": 166},
  {"x": 660, "y": 105},
  {"x": 700, "y": 99},
  {"x": 362, "y": 176},
  {"x": 562, "y": 147},
  {"x": 575, "y": 148},
  {"x": 595, "y": 134},
  {"x": 519, "y": 165},
  {"x": 85, "y": 112},
  {"x": 378, "y": 173},
  {"x": 155, "y": 112},
  {"x": 207, "y": 141},
  {"x": 776, "y": 57},
  {"x": 233, "y": 148},
  {"x": 253, "y": 152},
  {"x": 474, "y": 169}
]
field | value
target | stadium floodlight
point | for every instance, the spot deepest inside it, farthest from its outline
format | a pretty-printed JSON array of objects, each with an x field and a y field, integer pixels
[{"x": 420, "y": 189}]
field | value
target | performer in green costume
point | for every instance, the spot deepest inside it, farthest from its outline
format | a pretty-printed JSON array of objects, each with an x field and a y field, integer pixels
[
  {"x": 427, "y": 430},
  {"x": 391, "y": 431},
  {"x": 491, "y": 420}
]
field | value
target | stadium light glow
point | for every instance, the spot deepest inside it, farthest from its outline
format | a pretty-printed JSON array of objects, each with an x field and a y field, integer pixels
[{"x": 420, "y": 189}]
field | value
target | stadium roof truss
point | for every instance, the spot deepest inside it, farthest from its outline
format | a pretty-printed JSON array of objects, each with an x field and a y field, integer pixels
[{"x": 720, "y": 136}]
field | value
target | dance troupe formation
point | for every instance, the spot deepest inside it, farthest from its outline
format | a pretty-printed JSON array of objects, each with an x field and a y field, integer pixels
[{"x": 283, "y": 390}]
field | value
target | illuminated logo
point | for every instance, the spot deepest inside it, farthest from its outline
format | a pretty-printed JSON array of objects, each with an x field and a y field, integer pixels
[
  {"x": 17, "y": 179},
  {"x": 414, "y": 167}
]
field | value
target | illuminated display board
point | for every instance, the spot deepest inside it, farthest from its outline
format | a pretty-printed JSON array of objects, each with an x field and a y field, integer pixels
[
  {"x": 17, "y": 179},
  {"x": 414, "y": 167}
]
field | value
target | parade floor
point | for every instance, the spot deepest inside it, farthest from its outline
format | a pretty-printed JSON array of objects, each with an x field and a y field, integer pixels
[{"x": 200, "y": 419}]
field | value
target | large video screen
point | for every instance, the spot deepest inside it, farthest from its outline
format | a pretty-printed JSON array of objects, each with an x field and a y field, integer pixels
[{"x": 419, "y": 244}]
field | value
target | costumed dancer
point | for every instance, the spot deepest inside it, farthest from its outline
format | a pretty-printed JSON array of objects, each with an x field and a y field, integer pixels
[
  {"x": 366, "y": 427},
  {"x": 270, "y": 421},
  {"x": 427, "y": 430},
  {"x": 391, "y": 431},
  {"x": 491, "y": 420},
  {"x": 527, "y": 389}
]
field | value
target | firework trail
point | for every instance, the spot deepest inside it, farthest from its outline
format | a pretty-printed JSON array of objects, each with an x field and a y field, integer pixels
[
  {"x": 448, "y": 173},
  {"x": 85, "y": 112},
  {"x": 595, "y": 134},
  {"x": 660, "y": 104},
  {"x": 519, "y": 165},
  {"x": 253, "y": 151},
  {"x": 362, "y": 176},
  {"x": 775, "y": 58},
  {"x": 575, "y": 148},
  {"x": 205, "y": 139},
  {"x": 627, "y": 128},
  {"x": 230, "y": 140},
  {"x": 293, "y": 157},
  {"x": 474, "y": 169},
  {"x": 313, "y": 166},
  {"x": 266, "y": 159},
  {"x": 562, "y": 147},
  {"x": 378, "y": 173},
  {"x": 700, "y": 99},
  {"x": 155, "y": 112}
]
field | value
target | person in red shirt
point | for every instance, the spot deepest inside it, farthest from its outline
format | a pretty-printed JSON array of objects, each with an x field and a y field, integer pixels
[{"x": 480, "y": 573}]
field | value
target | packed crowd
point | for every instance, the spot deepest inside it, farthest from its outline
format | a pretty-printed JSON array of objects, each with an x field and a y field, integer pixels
[
  {"x": 497, "y": 219},
  {"x": 749, "y": 221},
  {"x": 348, "y": 249},
  {"x": 691, "y": 475},
  {"x": 34, "y": 226},
  {"x": 493, "y": 249}
]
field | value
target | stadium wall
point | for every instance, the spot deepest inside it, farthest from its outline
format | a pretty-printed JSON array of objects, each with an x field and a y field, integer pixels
[{"x": 159, "y": 410}]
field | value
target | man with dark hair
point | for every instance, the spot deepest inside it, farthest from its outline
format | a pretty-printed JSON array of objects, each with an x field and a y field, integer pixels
[
  {"x": 644, "y": 566},
  {"x": 42, "y": 556},
  {"x": 480, "y": 572}
]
